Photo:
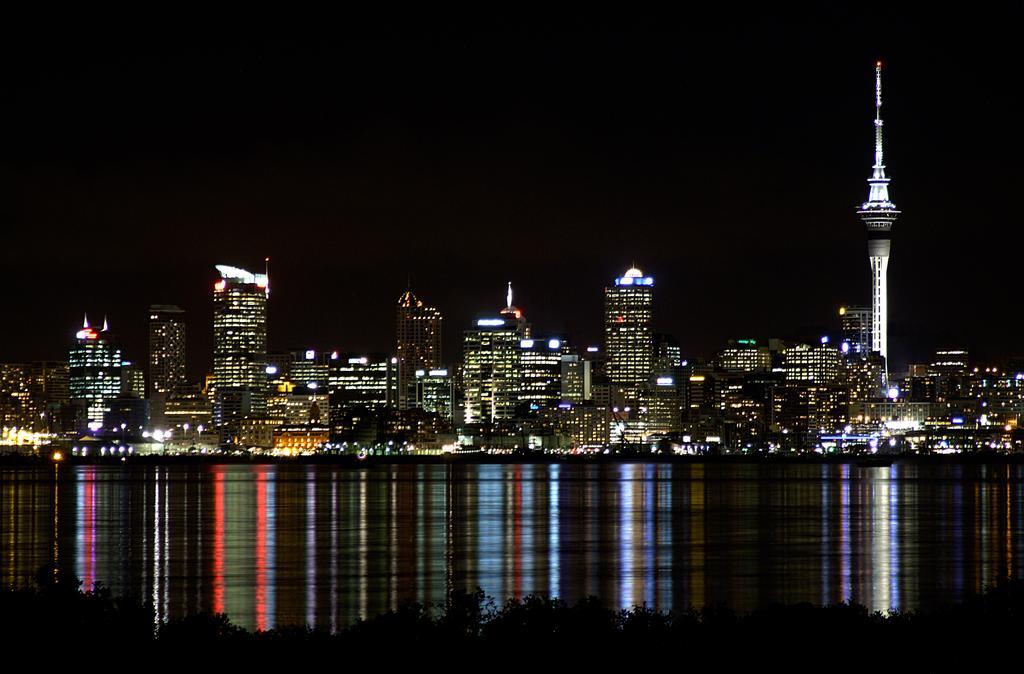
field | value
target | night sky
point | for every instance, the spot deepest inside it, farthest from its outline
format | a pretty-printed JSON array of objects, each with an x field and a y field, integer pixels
[{"x": 725, "y": 155}]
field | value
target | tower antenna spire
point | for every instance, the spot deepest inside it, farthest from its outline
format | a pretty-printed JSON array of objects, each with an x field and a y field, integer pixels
[
  {"x": 85, "y": 321},
  {"x": 879, "y": 167},
  {"x": 508, "y": 295}
]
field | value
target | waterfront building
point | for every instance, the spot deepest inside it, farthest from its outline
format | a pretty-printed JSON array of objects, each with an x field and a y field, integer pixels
[
  {"x": 661, "y": 406},
  {"x": 166, "y": 349},
  {"x": 187, "y": 409},
  {"x": 239, "y": 348},
  {"x": 94, "y": 372},
  {"x": 435, "y": 393},
  {"x": 32, "y": 395},
  {"x": 540, "y": 364},
  {"x": 629, "y": 344},
  {"x": 491, "y": 365},
  {"x": 366, "y": 381},
  {"x": 295, "y": 439},
  {"x": 417, "y": 344}
]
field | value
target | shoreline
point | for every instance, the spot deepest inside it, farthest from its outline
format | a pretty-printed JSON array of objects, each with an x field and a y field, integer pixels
[{"x": 350, "y": 461}]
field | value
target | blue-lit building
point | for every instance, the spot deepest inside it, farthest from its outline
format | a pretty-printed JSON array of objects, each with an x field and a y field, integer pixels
[{"x": 628, "y": 336}]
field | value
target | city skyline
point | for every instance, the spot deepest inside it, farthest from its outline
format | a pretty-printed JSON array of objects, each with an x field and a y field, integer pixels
[{"x": 731, "y": 153}]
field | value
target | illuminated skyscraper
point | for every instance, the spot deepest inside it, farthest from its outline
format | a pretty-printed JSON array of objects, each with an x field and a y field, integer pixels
[
  {"x": 540, "y": 371},
  {"x": 239, "y": 347},
  {"x": 417, "y": 344},
  {"x": 166, "y": 348},
  {"x": 629, "y": 342},
  {"x": 856, "y": 330},
  {"x": 878, "y": 214},
  {"x": 491, "y": 365},
  {"x": 94, "y": 371},
  {"x": 818, "y": 364}
]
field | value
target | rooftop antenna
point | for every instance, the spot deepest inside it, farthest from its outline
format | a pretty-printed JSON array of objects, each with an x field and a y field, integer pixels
[
  {"x": 85, "y": 322},
  {"x": 266, "y": 270},
  {"x": 508, "y": 295},
  {"x": 105, "y": 326}
]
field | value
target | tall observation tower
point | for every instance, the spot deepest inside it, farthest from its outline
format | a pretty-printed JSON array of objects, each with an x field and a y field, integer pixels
[{"x": 878, "y": 213}]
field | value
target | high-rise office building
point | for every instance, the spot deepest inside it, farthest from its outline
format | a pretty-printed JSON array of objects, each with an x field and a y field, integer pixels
[
  {"x": 362, "y": 386},
  {"x": 744, "y": 356},
  {"x": 363, "y": 381},
  {"x": 166, "y": 349},
  {"x": 239, "y": 347},
  {"x": 951, "y": 369},
  {"x": 540, "y": 365},
  {"x": 629, "y": 344},
  {"x": 435, "y": 393},
  {"x": 309, "y": 368},
  {"x": 491, "y": 372},
  {"x": 878, "y": 214},
  {"x": 133, "y": 380},
  {"x": 417, "y": 344},
  {"x": 855, "y": 325},
  {"x": 94, "y": 371},
  {"x": 31, "y": 395},
  {"x": 818, "y": 364},
  {"x": 577, "y": 378}
]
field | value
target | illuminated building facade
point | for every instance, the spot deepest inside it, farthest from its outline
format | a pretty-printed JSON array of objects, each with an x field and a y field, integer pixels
[
  {"x": 300, "y": 439},
  {"x": 94, "y": 371},
  {"x": 166, "y": 349},
  {"x": 577, "y": 378},
  {"x": 629, "y": 343},
  {"x": 855, "y": 327},
  {"x": 133, "y": 380},
  {"x": 589, "y": 426},
  {"x": 239, "y": 347},
  {"x": 491, "y": 372},
  {"x": 293, "y": 404},
  {"x": 307, "y": 368},
  {"x": 32, "y": 394},
  {"x": 818, "y": 364},
  {"x": 951, "y": 369},
  {"x": 744, "y": 355},
  {"x": 540, "y": 379},
  {"x": 435, "y": 393},
  {"x": 417, "y": 344},
  {"x": 878, "y": 214},
  {"x": 661, "y": 406},
  {"x": 363, "y": 381},
  {"x": 16, "y": 405}
]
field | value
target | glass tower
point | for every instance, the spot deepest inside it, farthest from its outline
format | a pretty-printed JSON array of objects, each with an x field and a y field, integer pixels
[
  {"x": 94, "y": 371},
  {"x": 166, "y": 348},
  {"x": 629, "y": 341},
  {"x": 239, "y": 348},
  {"x": 417, "y": 344}
]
